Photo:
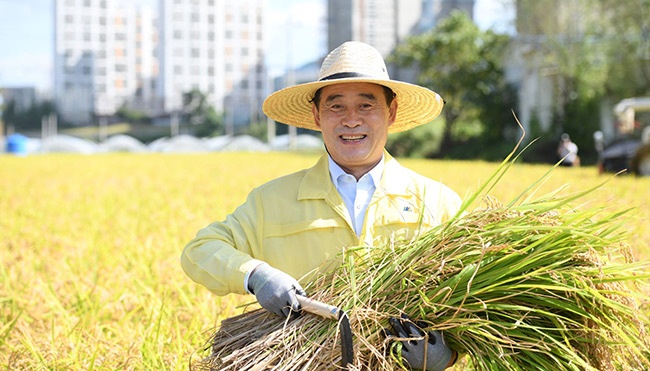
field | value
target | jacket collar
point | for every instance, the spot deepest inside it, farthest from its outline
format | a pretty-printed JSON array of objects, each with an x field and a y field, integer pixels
[{"x": 317, "y": 183}]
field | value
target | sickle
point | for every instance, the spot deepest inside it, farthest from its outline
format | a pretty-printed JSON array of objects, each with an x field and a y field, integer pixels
[{"x": 332, "y": 312}]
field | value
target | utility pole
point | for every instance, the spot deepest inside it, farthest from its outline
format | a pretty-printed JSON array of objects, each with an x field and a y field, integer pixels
[{"x": 290, "y": 81}]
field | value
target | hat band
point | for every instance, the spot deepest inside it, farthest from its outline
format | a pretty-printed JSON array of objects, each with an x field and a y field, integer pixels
[{"x": 344, "y": 75}]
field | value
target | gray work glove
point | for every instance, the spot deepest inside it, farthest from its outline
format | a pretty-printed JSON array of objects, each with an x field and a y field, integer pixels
[
  {"x": 438, "y": 354},
  {"x": 275, "y": 290}
]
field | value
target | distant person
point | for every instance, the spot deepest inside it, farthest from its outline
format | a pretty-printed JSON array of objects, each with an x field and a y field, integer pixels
[
  {"x": 355, "y": 195},
  {"x": 568, "y": 151}
]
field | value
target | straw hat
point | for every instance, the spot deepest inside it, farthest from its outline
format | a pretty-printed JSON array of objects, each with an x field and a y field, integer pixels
[{"x": 353, "y": 62}]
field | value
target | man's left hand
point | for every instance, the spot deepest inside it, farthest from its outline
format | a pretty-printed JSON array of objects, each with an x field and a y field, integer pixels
[{"x": 431, "y": 355}]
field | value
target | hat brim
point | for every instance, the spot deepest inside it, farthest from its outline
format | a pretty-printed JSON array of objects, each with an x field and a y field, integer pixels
[{"x": 416, "y": 105}]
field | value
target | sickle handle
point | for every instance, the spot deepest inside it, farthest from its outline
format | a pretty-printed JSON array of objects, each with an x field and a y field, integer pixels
[{"x": 318, "y": 308}]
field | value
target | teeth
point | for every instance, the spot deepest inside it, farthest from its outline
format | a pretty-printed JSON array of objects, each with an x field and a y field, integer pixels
[{"x": 352, "y": 137}]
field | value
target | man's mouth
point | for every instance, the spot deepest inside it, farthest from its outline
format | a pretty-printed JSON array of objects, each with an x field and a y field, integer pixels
[{"x": 352, "y": 138}]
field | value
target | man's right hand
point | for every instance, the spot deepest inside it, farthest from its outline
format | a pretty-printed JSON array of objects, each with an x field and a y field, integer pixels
[{"x": 275, "y": 290}]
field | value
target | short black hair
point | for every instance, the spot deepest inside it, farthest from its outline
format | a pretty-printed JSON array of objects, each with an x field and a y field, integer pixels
[{"x": 388, "y": 93}]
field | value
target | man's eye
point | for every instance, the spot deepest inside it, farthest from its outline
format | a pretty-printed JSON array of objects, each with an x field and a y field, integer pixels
[
  {"x": 366, "y": 106},
  {"x": 335, "y": 107}
]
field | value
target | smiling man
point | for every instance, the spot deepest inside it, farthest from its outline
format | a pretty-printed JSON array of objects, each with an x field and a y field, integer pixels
[
  {"x": 354, "y": 119},
  {"x": 355, "y": 195}
]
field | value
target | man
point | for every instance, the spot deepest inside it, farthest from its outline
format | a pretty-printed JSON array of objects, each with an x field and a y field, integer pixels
[{"x": 356, "y": 194}]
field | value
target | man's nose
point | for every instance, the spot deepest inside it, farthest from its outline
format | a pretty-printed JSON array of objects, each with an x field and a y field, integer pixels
[{"x": 351, "y": 118}]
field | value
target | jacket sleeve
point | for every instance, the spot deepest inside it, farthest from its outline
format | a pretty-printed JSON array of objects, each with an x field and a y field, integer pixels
[{"x": 220, "y": 255}]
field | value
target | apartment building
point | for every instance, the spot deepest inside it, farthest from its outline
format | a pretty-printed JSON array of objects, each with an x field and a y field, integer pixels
[
  {"x": 217, "y": 47},
  {"x": 385, "y": 23},
  {"x": 103, "y": 58},
  {"x": 110, "y": 54}
]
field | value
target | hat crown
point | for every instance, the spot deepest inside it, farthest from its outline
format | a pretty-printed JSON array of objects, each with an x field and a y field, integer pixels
[{"x": 353, "y": 59}]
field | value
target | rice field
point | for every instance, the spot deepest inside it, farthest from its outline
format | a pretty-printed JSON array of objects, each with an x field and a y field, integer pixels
[{"x": 90, "y": 276}]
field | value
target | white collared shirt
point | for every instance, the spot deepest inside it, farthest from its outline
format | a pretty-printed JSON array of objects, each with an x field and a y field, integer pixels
[{"x": 356, "y": 194}]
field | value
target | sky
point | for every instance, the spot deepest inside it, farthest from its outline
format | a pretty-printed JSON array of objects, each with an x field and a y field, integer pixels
[{"x": 27, "y": 38}]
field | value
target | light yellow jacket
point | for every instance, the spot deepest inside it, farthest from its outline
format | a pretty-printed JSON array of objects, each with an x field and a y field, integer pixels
[{"x": 299, "y": 222}]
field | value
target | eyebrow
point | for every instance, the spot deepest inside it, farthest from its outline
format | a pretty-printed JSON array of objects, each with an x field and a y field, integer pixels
[{"x": 363, "y": 95}]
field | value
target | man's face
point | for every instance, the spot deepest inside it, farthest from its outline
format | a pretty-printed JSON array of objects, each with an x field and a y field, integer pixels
[{"x": 354, "y": 119}]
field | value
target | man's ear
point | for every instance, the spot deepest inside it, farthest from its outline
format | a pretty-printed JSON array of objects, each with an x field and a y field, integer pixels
[
  {"x": 392, "y": 112},
  {"x": 314, "y": 111}
]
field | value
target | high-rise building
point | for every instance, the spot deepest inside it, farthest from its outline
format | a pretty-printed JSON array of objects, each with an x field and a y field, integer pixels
[
  {"x": 110, "y": 54},
  {"x": 103, "y": 58},
  {"x": 385, "y": 23},
  {"x": 380, "y": 23},
  {"x": 217, "y": 47}
]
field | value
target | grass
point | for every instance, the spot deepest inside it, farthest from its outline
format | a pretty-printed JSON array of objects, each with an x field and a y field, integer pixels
[{"x": 90, "y": 276}]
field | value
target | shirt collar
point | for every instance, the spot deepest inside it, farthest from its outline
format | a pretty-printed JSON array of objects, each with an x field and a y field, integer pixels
[{"x": 336, "y": 171}]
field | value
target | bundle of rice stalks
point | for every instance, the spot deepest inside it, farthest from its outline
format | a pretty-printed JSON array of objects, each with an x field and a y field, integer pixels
[{"x": 533, "y": 285}]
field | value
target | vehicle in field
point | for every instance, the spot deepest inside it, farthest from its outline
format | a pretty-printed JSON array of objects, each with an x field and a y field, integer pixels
[{"x": 629, "y": 148}]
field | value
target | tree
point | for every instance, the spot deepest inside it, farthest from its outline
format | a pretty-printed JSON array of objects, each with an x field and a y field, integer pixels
[
  {"x": 198, "y": 113},
  {"x": 131, "y": 115},
  {"x": 28, "y": 119},
  {"x": 624, "y": 28},
  {"x": 464, "y": 65}
]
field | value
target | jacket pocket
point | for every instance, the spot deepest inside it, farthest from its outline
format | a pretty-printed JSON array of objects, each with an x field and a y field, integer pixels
[
  {"x": 300, "y": 247},
  {"x": 286, "y": 229}
]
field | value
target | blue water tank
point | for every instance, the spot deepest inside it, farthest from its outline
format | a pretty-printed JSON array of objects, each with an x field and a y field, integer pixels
[{"x": 17, "y": 144}]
